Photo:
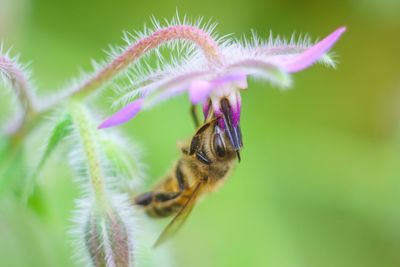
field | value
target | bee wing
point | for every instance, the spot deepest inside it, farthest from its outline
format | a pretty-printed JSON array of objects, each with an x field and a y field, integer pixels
[{"x": 181, "y": 217}]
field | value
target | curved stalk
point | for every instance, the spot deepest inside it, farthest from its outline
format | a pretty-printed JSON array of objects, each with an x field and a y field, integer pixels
[{"x": 15, "y": 76}]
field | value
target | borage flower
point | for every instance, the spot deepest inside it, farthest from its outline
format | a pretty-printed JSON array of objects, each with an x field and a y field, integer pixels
[{"x": 215, "y": 77}]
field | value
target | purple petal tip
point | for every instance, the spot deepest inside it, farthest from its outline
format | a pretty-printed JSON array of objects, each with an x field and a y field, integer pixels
[
  {"x": 125, "y": 114},
  {"x": 312, "y": 54}
]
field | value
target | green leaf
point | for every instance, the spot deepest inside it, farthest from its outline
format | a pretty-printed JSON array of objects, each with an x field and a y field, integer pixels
[
  {"x": 12, "y": 171},
  {"x": 61, "y": 129}
]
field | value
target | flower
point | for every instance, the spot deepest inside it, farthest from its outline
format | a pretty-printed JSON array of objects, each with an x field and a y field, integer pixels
[{"x": 216, "y": 84}]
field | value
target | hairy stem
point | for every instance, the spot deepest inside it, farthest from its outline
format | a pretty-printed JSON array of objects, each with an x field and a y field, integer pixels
[
  {"x": 34, "y": 110},
  {"x": 180, "y": 32},
  {"x": 13, "y": 125},
  {"x": 19, "y": 84},
  {"x": 88, "y": 136}
]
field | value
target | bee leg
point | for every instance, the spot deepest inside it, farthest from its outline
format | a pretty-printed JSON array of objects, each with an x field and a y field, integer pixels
[
  {"x": 193, "y": 111},
  {"x": 144, "y": 199},
  {"x": 180, "y": 178}
]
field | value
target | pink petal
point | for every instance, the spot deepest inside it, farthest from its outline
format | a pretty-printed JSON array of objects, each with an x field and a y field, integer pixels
[
  {"x": 199, "y": 91},
  {"x": 162, "y": 95},
  {"x": 265, "y": 69},
  {"x": 236, "y": 103},
  {"x": 174, "y": 86},
  {"x": 237, "y": 79},
  {"x": 124, "y": 115},
  {"x": 171, "y": 82},
  {"x": 242, "y": 84},
  {"x": 312, "y": 54}
]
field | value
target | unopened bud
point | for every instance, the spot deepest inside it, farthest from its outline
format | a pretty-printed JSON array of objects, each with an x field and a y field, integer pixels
[{"x": 107, "y": 239}]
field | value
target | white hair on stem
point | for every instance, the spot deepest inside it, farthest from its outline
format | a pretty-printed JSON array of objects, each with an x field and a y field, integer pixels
[
  {"x": 187, "y": 37},
  {"x": 16, "y": 77},
  {"x": 104, "y": 222}
]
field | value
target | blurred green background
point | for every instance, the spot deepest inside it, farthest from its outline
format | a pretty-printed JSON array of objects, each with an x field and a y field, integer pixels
[{"x": 318, "y": 185}]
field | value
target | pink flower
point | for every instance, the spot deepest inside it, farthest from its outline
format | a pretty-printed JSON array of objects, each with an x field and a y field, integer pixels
[{"x": 216, "y": 85}]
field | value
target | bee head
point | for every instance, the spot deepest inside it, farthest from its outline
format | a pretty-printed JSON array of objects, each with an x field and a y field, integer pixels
[{"x": 211, "y": 143}]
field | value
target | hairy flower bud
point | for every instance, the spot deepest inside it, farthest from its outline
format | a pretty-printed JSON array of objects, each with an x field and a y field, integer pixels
[{"x": 107, "y": 239}]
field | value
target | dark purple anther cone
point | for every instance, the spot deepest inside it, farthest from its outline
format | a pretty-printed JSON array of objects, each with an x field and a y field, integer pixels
[{"x": 230, "y": 123}]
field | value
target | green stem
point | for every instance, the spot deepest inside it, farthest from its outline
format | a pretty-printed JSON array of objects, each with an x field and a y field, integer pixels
[{"x": 88, "y": 136}]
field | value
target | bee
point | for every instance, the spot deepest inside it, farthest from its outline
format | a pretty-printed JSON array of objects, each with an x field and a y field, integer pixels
[{"x": 206, "y": 162}]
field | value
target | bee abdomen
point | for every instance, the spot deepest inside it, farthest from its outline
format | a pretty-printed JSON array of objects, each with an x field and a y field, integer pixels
[{"x": 161, "y": 204}]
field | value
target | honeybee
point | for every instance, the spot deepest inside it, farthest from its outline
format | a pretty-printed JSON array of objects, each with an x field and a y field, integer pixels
[{"x": 206, "y": 162}]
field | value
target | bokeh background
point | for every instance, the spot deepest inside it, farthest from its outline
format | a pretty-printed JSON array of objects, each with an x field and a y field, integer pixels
[{"x": 319, "y": 181}]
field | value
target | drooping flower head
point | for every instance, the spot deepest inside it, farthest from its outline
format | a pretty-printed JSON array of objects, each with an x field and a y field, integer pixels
[{"x": 215, "y": 73}]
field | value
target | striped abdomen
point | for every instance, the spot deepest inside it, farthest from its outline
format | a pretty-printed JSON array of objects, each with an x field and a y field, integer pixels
[{"x": 169, "y": 196}]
